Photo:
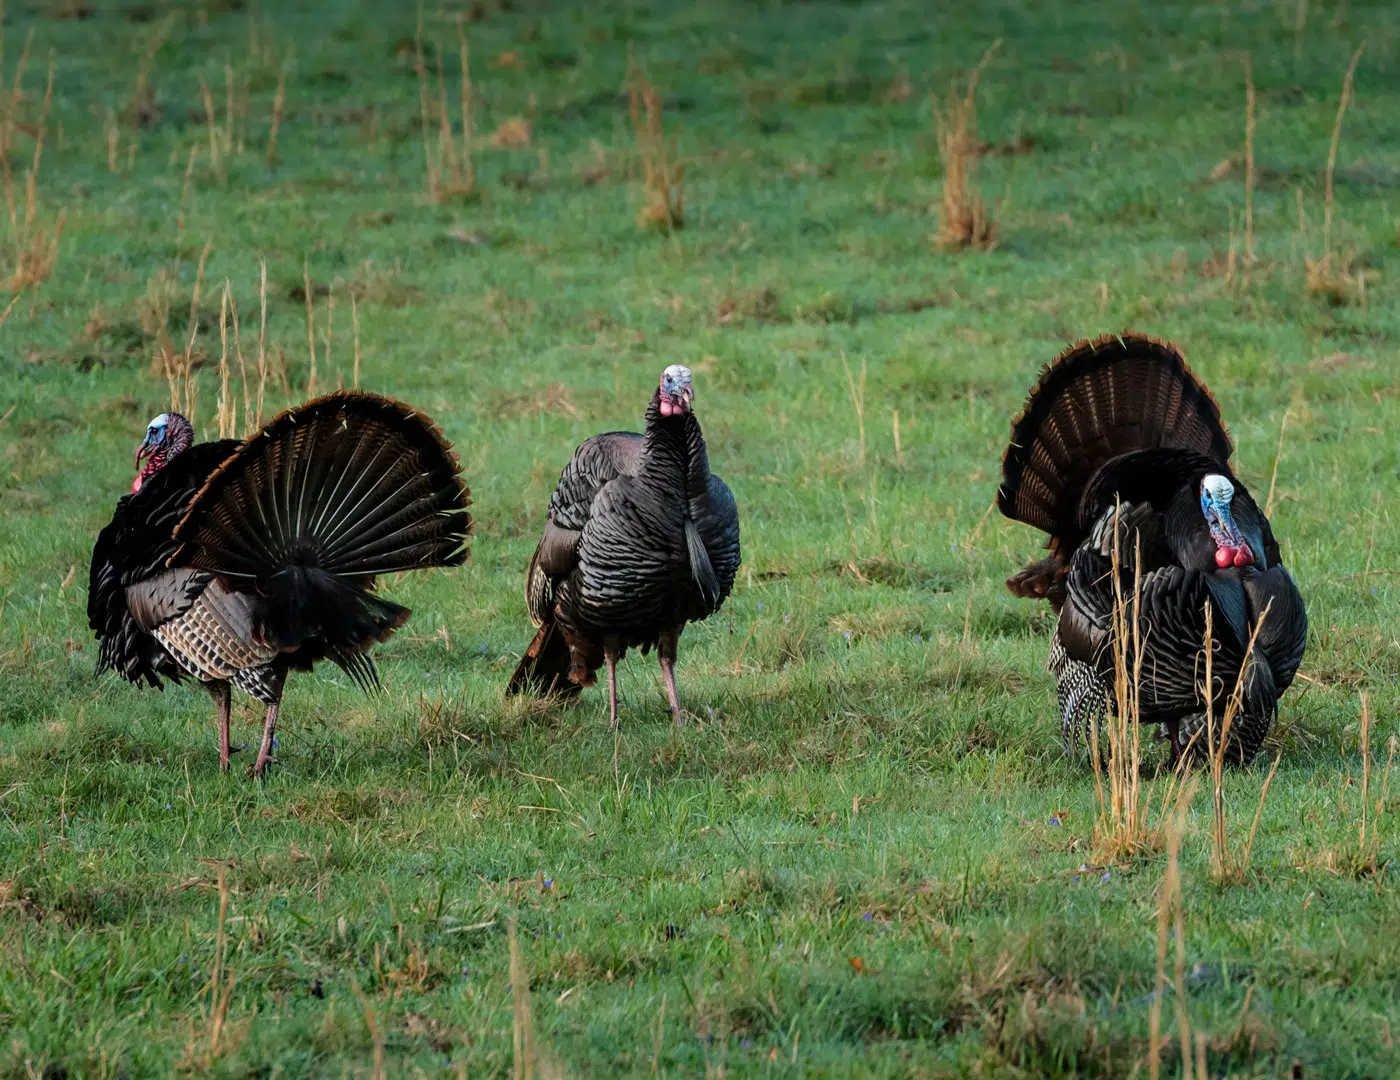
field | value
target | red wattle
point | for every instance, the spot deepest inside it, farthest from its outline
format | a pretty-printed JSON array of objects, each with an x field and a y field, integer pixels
[
  {"x": 1243, "y": 557},
  {"x": 1225, "y": 557},
  {"x": 136, "y": 484}
]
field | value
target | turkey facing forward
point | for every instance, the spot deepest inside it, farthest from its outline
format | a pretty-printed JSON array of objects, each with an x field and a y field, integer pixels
[
  {"x": 641, "y": 539},
  {"x": 234, "y": 562},
  {"x": 1120, "y": 445}
]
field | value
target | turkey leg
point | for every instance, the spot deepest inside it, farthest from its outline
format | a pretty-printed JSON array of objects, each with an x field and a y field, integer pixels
[
  {"x": 666, "y": 654},
  {"x": 265, "y": 753},
  {"x": 220, "y": 693},
  {"x": 610, "y": 658}
]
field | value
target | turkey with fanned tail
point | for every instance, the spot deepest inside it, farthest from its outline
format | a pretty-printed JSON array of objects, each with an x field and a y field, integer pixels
[
  {"x": 235, "y": 562},
  {"x": 1121, "y": 443},
  {"x": 641, "y": 539}
]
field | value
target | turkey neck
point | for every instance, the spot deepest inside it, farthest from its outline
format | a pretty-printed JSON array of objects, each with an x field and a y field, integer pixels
[{"x": 674, "y": 445}]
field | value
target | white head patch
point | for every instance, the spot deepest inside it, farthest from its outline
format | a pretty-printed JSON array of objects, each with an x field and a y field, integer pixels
[
  {"x": 159, "y": 422},
  {"x": 679, "y": 372},
  {"x": 1218, "y": 489}
]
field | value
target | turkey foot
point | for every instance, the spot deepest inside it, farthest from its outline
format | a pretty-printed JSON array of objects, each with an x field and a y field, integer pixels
[
  {"x": 220, "y": 693},
  {"x": 610, "y": 658},
  {"x": 265, "y": 757}
]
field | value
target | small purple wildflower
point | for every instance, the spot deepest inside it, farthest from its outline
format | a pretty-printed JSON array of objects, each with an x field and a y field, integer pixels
[
  {"x": 1106, "y": 876},
  {"x": 1075, "y": 879},
  {"x": 549, "y": 883},
  {"x": 760, "y": 605},
  {"x": 787, "y": 618},
  {"x": 869, "y": 915}
]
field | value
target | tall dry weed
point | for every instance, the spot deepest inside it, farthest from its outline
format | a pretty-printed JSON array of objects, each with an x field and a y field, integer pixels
[{"x": 963, "y": 221}]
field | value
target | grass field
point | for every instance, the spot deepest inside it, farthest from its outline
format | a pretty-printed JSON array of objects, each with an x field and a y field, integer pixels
[{"x": 868, "y": 855}]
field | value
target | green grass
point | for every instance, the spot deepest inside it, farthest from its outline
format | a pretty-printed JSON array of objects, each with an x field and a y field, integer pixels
[{"x": 877, "y": 773}]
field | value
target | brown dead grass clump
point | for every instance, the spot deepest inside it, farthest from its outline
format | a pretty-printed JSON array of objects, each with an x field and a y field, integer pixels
[
  {"x": 1330, "y": 275},
  {"x": 33, "y": 244},
  {"x": 964, "y": 221},
  {"x": 663, "y": 177},
  {"x": 451, "y": 172},
  {"x": 513, "y": 133}
]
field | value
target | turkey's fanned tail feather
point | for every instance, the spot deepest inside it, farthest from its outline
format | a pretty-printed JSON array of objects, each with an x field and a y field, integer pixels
[{"x": 1096, "y": 400}]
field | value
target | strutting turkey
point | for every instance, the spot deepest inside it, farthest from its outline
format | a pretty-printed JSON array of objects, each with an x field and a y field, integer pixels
[
  {"x": 234, "y": 562},
  {"x": 1120, "y": 428},
  {"x": 641, "y": 539}
]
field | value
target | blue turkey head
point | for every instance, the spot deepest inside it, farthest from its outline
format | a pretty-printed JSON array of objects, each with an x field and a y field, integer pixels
[
  {"x": 1231, "y": 546},
  {"x": 166, "y": 435}
]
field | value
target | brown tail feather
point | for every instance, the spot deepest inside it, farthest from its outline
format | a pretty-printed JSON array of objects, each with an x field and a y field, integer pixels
[
  {"x": 544, "y": 669},
  {"x": 1097, "y": 400}
]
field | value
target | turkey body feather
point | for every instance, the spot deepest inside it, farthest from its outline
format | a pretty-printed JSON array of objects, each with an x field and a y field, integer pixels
[
  {"x": 1117, "y": 446},
  {"x": 134, "y": 547},
  {"x": 641, "y": 538},
  {"x": 237, "y": 562}
]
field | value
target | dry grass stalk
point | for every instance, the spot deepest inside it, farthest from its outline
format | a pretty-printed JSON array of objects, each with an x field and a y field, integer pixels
[
  {"x": 310, "y": 330},
  {"x": 330, "y": 317},
  {"x": 1278, "y": 456},
  {"x": 1225, "y": 867},
  {"x": 523, "y": 1020},
  {"x": 451, "y": 172},
  {"x": 179, "y": 367},
  {"x": 262, "y": 345},
  {"x": 215, "y": 138},
  {"x": 376, "y": 1034},
  {"x": 1332, "y": 150},
  {"x": 420, "y": 68},
  {"x": 184, "y": 198},
  {"x": 1358, "y": 854},
  {"x": 1120, "y": 824},
  {"x": 154, "y": 310},
  {"x": 279, "y": 104},
  {"x": 242, "y": 365},
  {"x": 1170, "y": 911},
  {"x": 1365, "y": 774},
  {"x": 898, "y": 451},
  {"x": 858, "y": 401},
  {"x": 1248, "y": 167},
  {"x": 663, "y": 178},
  {"x": 964, "y": 222},
  {"x": 113, "y": 135},
  {"x": 141, "y": 107},
  {"x": 1123, "y": 826},
  {"x": 355, "y": 330},
  {"x": 33, "y": 248},
  {"x": 220, "y": 982},
  {"x": 1330, "y": 274},
  {"x": 228, "y": 408},
  {"x": 468, "y": 177}
]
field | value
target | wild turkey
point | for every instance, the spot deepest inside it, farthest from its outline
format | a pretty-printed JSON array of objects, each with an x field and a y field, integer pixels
[
  {"x": 641, "y": 539},
  {"x": 1120, "y": 429},
  {"x": 234, "y": 563}
]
